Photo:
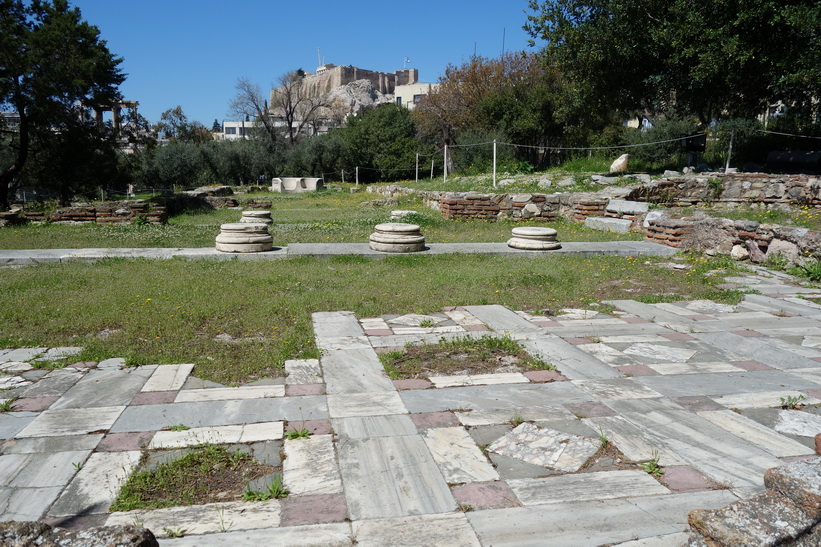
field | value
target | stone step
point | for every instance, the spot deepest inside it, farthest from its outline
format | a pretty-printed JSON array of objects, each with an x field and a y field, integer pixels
[{"x": 800, "y": 482}]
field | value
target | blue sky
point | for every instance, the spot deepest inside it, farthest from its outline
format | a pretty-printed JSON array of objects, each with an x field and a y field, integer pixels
[{"x": 191, "y": 52}]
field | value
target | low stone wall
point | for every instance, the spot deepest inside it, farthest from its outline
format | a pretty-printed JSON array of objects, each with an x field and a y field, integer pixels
[
  {"x": 739, "y": 238},
  {"x": 731, "y": 189},
  {"x": 111, "y": 213}
]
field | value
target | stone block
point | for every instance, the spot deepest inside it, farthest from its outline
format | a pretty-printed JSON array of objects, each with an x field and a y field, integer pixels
[
  {"x": 800, "y": 482},
  {"x": 608, "y": 224},
  {"x": 397, "y": 237},
  {"x": 533, "y": 238},
  {"x": 626, "y": 207}
]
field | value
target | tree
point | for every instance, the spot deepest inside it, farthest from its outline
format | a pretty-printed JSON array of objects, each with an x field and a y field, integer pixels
[
  {"x": 382, "y": 138},
  {"x": 725, "y": 58},
  {"x": 51, "y": 63},
  {"x": 294, "y": 105},
  {"x": 175, "y": 125},
  {"x": 216, "y": 127}
]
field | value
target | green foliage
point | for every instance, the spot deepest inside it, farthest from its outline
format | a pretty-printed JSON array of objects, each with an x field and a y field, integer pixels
[
  {"x": 658, "y": 156},
  {"x": 791, "y": 401},
  {"x": 8, "y": 404},
  {"x": 52, "y": 60},
  {"x": 383, "y": 140},
  {"x": 275, "y": 490},
  {"x": 303, "y": 433},
  {"x": 652, "y": 467}
]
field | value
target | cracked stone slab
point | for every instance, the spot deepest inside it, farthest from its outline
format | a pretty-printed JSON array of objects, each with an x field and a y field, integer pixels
[
  {"x": 68, "y": 443},
  {"x": 603, "y": 485},
  {"x": 310, "y": 466},
  {"x": 337, "y": 534},
  {"x": 760, "y": 350},
  {"x": 763, "y": 399},
  {"x": 211, "y": 518},
  {"x": 452, "y": 530},
  {"x": 302, "y": 371},
  {"x": 96, "y": 485},
  {"x": 502, "y": 319},
  {"x": 26, "y": 503},
  {"x": 620, "y": 388},
  {"x": 657, "y": 352},
  {"x": 795, "y": 422},
  {"x": 40, "y": 470},
  {"x": 22, "y": 354},
  {"x": 339, "y": 324},
  {"x": 71, "y": 421},
  {"x": 572, "y": 362},
  {"x": 509, "y": 396},
  {"x": 168, "y": 378},
  {"x": 249, "y": 433},
  {"x": 478, "y": 379},
  {"x": 458, "y": 457},
  {"x": 229, "y": 393},
  {"x": 546, "y": 447},
  {"x": 354, "y": 371},
  {"x": 391, "y": 477},
  {"x": 104, "y": 388},
  {"x": 54, "y": 384}
]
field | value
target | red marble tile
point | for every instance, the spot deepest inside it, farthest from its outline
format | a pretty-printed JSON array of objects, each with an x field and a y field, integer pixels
[
  {"x": 635, "y": 320},
  {"x": 84, "y": 364},
  {"x": 316, "y": 427},
  {"x": 389, "y": 349},
  {"x": 474, "y": 328},
  {"x": 697, "y": 403},
  {"x": 686, "y": 479},
  {"x": 485, "y": 495},
  {"x": 543, "y": 376},
  {"x": 637, "y": 370},
  {"x": 378, "y": 332},
  {"x": 118, "y": 442},
  {"x": 812, "y": 393},
  {"x": 428, "y": 420},
  {"x": 154, "y": 398},
  {"x": 414, "y": 383},
  {"x": 701, "y": 317},
  {"x": 33, "y": 404},
  {"x": 296, "y": 390},
  {"x": 577, "y": 341},
  {"x": 816, "y": 359},
  {"x": 747, "y": 333},
  {"x": 318, "y": 509},
  {"x": 590, "y": 410},
  {"x": 751, "y": 365}
]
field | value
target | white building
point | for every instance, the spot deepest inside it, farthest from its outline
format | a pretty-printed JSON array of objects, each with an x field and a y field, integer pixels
[
  {"x": 234, "y": 131},
  {"x": 409, "y": 95}
]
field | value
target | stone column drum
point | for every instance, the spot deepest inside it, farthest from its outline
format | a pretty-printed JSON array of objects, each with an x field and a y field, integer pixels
[
  {"x": 256, "y": 217},
  {"x": 397, "y": 237},
  {"x": 242, "y": 237},
  {"x": 533, "y": 238}
]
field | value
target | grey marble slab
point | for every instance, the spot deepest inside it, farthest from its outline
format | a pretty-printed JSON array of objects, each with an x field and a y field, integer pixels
[
  {"x": 96, "y": 485},
  {"x": 354, "y": 371},
  {"x": 758, "y": 349},
  {"x": 391, "y": 477},
  {"x": 681, "y": 385},
  {"x": 572, "y": 362},
  {"x": 100, "y": 388},
  {"x": 71, "y": 421},
  {"x": 364, "y": 427},
  {"x": 450, "y": 530},
  {"x": 337, "y": 324},
  {"x": 502, "y": 320},
  {"x": 602, "y": 485}
]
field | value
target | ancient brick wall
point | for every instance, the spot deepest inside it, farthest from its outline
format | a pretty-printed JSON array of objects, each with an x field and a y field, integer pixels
[{"x": 112, "y": 213}]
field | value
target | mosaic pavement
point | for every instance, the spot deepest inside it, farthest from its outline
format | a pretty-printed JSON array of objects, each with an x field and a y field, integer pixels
[{"x": 695, "y": 385}]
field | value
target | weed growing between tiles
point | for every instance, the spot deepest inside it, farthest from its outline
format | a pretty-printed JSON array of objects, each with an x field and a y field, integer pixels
[
  {"x": 464, "y": 355},
  {"x": 206, "y": 474}
]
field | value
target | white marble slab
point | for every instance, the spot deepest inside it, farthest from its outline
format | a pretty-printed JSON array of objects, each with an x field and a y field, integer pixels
[
  {"x": 97, "y": 484},
  {"x": 168, "y": 377},
  {"x": 229, "y": 393},
  {"x": 693, "y": 368},
  {"x": 225, "y": 434},
  {"x": 479, "y": 379},
  {"x": 761, "y": 399},
  {"x": 450, "y": 530},
  {"x": 606, "y": 354},
  {"x": 604, "y": 485},
  {"x": 337, "y": 534},
  {"x": 365, "y": 404},
  {"x": 617, "y": 388},
  {"x": 491, "y": 416},
  {"x": 211, "y": 518},
  {"x": 364, "y": 427},
  {"x": 637, "y": 444},
  {"x": 658, "y": 352},
  {"x": 758, "y": 434},
  {"x": 310, "y": 466},
  {"x": 458, "y": 457},
  {"x": 303, "y": 371}
]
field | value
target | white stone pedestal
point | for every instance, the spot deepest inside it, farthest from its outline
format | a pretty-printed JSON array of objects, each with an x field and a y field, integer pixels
[
  {"x": 243, "y": 237},
  {"x": 256, "y": 217},
  {"x": 533, "y": 238},
  {"x": 397, "y": 237}
]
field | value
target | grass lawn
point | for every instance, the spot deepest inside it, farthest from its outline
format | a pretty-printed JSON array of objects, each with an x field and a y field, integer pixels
[
  {"x": 322, "y": 217},
  {"x": 239, "y": 321}
]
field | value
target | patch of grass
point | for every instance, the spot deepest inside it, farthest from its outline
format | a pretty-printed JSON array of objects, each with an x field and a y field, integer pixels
[
  {"x": 603, "y": 440},
  {"x": 172, "y": 311},
  {"x": 50, "y": 364},
  {"x": 516, "y": 420},
  {"x": 303, "y": 433},
  {"x": 275, "y": 490},
  {"x": 480, "y": 355},
  {"x": 652, "y": 467},
  {"x": 174, "y": 532},
  {"x": 8, "y": 404},
  {"x": 178, "y": 427},
  {"x": 792, "y": 402},
  {"x": 209, "y": 473}
]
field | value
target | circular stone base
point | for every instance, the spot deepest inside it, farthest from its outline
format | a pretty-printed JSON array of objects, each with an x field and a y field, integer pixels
[
  {"x": 533, "y": 238},
  {"x": 397, "y": 237},
  {"x": 244, "y": 238}
]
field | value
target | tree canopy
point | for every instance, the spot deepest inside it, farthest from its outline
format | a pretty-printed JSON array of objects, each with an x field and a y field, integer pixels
[
  {"x": 51, "y": 63},
  {"x": 718, "y": 58}
]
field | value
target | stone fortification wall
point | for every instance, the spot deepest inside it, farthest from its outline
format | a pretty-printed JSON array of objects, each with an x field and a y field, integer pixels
[{"x": 335, "y": 76}]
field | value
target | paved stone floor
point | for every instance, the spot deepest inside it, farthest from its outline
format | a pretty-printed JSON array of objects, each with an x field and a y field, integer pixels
[{"x": 697, "y": 385}]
